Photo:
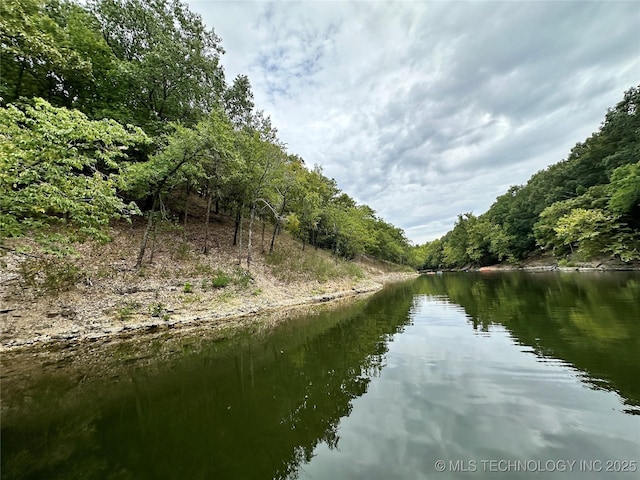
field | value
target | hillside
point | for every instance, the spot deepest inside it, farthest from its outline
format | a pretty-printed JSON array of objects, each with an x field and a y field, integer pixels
[
  {"x": 583, "y": 209},
  {"x": 98, "y": 292}
]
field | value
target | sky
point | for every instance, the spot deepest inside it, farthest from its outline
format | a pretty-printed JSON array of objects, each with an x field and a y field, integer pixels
[{"x": 426, "y": 110}]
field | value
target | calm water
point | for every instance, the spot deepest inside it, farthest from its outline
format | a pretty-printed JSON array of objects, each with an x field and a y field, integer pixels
[{"x": 450, "y": 376}]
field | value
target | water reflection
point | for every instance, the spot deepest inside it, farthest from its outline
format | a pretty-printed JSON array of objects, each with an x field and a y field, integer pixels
[
  {"x": 244, "y": 407},
  {"x": 589, "y": 320},
  {"x": 477, "y": 383},
  {"x": 456, "y": 367}
]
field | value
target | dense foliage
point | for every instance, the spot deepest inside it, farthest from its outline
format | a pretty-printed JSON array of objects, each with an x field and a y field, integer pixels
[
  {"x": 586, "y": 206},
  {"x": 127, "y": 99}
]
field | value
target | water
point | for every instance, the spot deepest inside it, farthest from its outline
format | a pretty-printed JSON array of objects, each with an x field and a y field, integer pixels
[{"x": 448, "y": 376}]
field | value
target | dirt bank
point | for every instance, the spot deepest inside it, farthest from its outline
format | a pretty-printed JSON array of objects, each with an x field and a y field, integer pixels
[
  {"x": 178, "y": 287},
  {"x": 59, "y": 321}
]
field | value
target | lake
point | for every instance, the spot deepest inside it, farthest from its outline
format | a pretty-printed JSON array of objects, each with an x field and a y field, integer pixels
[{"x": 459, "y": 375}]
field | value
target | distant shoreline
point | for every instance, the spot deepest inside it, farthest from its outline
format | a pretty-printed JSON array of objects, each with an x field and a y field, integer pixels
[{"x": 606, "y": 265}]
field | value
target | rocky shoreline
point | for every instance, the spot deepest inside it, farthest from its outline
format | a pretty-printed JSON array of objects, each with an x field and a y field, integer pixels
[
  {"x": 546, "y": 265},
  {"x": 58, "y": 322}
]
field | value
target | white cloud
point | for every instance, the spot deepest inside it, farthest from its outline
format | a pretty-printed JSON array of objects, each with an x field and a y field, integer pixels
[{"x": 424, "y": 110}]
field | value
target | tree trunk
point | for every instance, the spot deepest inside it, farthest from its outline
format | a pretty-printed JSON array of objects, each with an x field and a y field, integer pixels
[
  {"x": 156, "y": 200},
  {"x": 263, "y": 228},
  {"x": 205, "y": 250},
  {"x": 251, "y": 218},
  {"x": 276, "y": 229},
  {"x": 145, "y": 237},
  {"x": 153, "y": 241},
  {"x": 237, "y": 227},
  {"x": 186, "y": 214},
  {"x": 240, "y": 238},
  {"x": 273, "y": 237}
]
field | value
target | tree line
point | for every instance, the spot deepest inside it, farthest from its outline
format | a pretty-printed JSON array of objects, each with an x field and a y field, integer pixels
[
  {"x": 584, "y": 207},
  {"x": 112, "y": 108}
]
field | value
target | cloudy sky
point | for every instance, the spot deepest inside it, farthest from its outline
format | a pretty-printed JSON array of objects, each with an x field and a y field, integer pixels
[{"x": 424, "y": 110}]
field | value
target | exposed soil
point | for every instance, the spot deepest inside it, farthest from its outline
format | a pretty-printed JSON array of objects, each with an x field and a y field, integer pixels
[{"x": 174, "y": 288}]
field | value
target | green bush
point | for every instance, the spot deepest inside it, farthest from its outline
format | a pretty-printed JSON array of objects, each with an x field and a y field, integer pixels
[
  {"x": 220, "y": 280},
  {"x": 565, "y": 263}
]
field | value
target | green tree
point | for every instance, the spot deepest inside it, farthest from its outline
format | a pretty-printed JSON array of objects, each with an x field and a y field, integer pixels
[
  {"x": 37, "y": 57},
  {"x": 59, "y": 172},
  {"x": 545, "y": 228},
  {"x": 238, "y": 101},
  {"x": 263, "y": 158},
  {"x": 456, "y": 242},
  {"x": 199, "y": 155},
  {"x": 169, "y": 60},
  {"x": 431, "y": 254},
  {"x": 586, "y": 229},
  {"x": 624, "y": 190},
  {"x": 310, "y": 200}
]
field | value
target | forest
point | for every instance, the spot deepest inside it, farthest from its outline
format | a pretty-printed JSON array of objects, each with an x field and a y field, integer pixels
[
  {"x": 582, "y": 208},
  {"x": 118, "y": 108},
  {"x": 112, "y": 109}
]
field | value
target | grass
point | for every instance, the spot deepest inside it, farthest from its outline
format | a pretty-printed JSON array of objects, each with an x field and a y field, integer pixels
[
  {"x": 563, "y": 262},
  {"x": 242, "y": 277},
  {"x": 290, "y": 264},
  {"x": 125, "y": 312},
  {"x": 220, "y": 279}
]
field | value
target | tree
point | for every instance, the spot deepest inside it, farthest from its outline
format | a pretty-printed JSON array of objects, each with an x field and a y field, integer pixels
[
  {"x": 220, "y": 162},
  {"x": 195, "y": 155},
  {"x": 287, "y": 187},
  {"x": 545, "y": 228},
  {"x": 238, "y": 101},
  {"x": 456, "y": 242},
  {"x": 624, "y": 190},
  {"x": 310, "y": 200},
  {"x": 262, "y": 161},
  {"x": 586, "y": 229},
  {"x": 169, "y": 59},
  {"x": 37, "y": 59},
  {"x": 431, "y": 255},
  {"x": 59, "y": 172}
]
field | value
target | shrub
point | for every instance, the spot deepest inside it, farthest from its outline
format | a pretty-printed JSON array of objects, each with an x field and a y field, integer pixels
[
  {"x": 124, "y": 313},
  {"x": 157, "y": 310},
  {"x": 220, "y": 280}
]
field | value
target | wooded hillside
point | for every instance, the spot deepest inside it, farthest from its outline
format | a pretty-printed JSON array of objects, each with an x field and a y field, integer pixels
[
  {"x": 111, "y": 107},
  {"x": 586, "y": 206}
]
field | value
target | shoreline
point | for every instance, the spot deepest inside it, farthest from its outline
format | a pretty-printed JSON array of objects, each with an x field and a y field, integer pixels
[
  {"x": 110, "y": 329},
  {"x": 541, "y": 266}
]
